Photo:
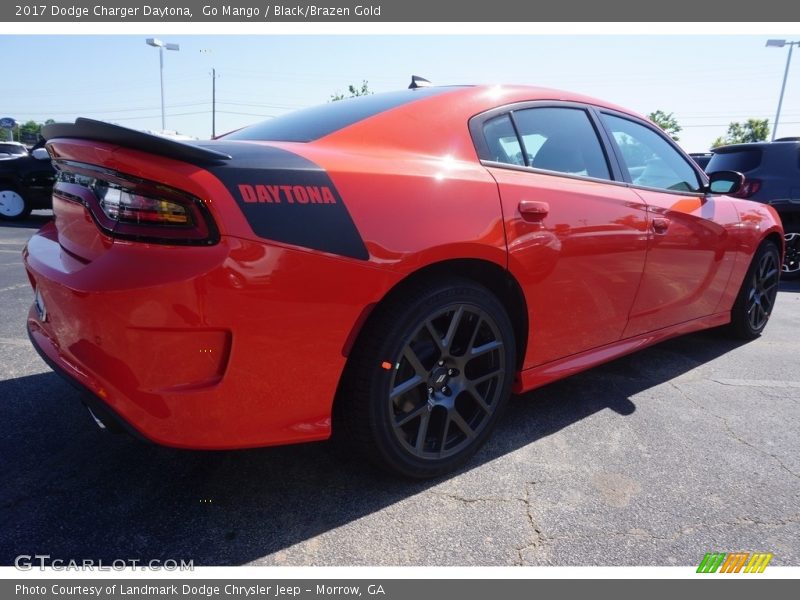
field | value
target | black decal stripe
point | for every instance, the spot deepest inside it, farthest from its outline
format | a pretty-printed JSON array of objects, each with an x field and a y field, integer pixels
[{"x": 324, "y": 227}]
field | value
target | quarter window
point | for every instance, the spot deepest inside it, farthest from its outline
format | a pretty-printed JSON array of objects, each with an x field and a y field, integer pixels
[
  {"x": 650, "y": 160},
  {"x": 502, "y": 141}
]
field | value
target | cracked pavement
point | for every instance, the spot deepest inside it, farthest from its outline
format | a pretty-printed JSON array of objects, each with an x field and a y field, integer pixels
[{"x": 655, "y": 459}]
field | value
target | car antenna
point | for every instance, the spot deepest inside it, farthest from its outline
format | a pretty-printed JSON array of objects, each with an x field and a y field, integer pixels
[{"x": 418, "y": 82}]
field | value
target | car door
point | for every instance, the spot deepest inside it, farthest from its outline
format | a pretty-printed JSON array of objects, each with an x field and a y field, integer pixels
[
  {"x": 576, "y": 238},
  {"x": 691, "y": 247}
]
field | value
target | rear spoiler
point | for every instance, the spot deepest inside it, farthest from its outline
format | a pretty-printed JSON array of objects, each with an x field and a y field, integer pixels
[{"x": 99, "y": 131}]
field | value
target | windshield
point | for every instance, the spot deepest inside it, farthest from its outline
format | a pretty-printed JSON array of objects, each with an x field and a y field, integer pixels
[{"x": 13, "y": 149}]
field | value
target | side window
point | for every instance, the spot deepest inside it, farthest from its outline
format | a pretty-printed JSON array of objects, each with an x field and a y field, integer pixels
[
  {"x": 502, "y": 141},
  {"x": 563, "y": 140},
  {"x": 651, "y": 161}
]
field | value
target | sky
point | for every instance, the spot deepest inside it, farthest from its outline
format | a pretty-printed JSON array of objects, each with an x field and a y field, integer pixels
[{"x": 706, "y": 81}]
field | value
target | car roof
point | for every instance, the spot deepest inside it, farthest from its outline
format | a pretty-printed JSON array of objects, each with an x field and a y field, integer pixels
[
  {"x": 756, "y": 146},
  {"x": 436, "y": 122},
  {"x": 457, "y": 103},
  {"x": 491, "y": 96},
  {"x": 426, "y": 121}
]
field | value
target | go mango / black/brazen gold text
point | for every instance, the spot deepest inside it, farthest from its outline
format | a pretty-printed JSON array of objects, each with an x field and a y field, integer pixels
[{"x": 278, "y": 10}]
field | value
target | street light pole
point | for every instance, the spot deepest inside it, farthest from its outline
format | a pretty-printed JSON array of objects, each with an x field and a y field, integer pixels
[
  {"x": 156, "y": 43},
  {"x": 213, "y": 95},
  {"x": 161, "y": 74},
  {"x": 213, "y": 103},
  {"x": 781, "y": 44}
]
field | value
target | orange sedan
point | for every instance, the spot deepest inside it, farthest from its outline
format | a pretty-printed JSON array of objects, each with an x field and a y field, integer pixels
[{"x": 387, "y": 268}]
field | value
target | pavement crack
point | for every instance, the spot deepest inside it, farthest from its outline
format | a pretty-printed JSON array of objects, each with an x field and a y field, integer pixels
[
  {"x": 537, "y": 536},
  {"x": 757, "y": 383},
  {"x": 729, "y": 430},
  {"x": 466, "y": 500}
]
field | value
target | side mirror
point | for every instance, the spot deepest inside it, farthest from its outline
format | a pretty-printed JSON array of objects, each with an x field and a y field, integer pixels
[
  {"x": 40, "y": 154},
  {"x": 724, "y": 182}
]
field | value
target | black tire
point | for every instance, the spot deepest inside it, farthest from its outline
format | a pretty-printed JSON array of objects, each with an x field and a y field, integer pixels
[
  {"x": 14, "y": 206},
  {"x": 791, "y": 257},
  {"x": 756, "y": 298},
  {"x": 412, "y": 400}
]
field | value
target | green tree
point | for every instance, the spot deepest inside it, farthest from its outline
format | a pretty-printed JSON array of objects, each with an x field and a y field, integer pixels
[
  {"x": 752, "y": 130},
  {"x": 30, "y": 128},
  {"x": 667, "y": 122},
  {"x": 353, "y": 92},
  {"x": 28, "y": 132}
]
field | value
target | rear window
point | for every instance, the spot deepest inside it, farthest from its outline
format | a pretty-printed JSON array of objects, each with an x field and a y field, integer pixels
[
  {"x": 738, "y": 160},
  {"x": 313, "y": 123}
]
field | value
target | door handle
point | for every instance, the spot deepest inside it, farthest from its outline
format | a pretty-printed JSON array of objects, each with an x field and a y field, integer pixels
[
  {"x": 531, "y": 210},
  {"x": 660, "y": 224}
]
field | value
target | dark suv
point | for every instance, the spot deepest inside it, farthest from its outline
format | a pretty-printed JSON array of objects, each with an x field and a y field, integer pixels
[
  {"x": 772, "y": 176},
  {"x": 26, "y": 183},
  {"x": 701, "y": 158}
]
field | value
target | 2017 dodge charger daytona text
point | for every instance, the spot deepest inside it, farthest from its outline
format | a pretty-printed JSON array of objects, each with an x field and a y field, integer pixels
[{"x": 387, "y": 268}]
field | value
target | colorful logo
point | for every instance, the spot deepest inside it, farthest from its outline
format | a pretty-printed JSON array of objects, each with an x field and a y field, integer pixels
[{"x": 734, "y": 562}]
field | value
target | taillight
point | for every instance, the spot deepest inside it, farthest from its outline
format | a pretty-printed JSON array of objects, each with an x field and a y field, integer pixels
[
  {"x": 130, "y": 208},
  {"x": 749, "y": 188}
]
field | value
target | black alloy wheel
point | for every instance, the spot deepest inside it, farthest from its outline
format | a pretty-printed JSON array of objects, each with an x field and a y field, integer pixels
[
  {"x": 446, "y": 382},
  {"x": 763, "y": 290},
  {"x": 428, "y": 379},
  {"x": 791, "y": 259},
  {"x": 756, "y": 298}
]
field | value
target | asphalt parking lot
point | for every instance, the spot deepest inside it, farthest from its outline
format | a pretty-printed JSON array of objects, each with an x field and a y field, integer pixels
[{"x": 655, "y": 459}]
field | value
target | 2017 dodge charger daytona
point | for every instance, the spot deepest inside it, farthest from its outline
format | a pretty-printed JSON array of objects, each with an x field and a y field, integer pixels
[{"x": 387, "y": 268}]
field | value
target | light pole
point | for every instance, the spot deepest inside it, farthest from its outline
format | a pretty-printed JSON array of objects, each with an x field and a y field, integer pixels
[
  {"x": 157, "y": 43},
  {"x": 214, "y": 77},
  {"x": 781, "y": 44}
]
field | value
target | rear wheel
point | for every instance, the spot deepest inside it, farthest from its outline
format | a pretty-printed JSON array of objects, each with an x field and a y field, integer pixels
[
  {"x": 756, "y": 298},
  {"x": 791, "y": 259},
  {"x": 429, "y": 379},
  {"x": 13, "y": 206}
]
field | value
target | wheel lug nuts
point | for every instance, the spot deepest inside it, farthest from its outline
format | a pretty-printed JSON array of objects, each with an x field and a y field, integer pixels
[
  {"x": 451, "y": 372},
  {"x": 441, "y": 363},
  {"x": 445, "y": 389},
  {"x": 430, "y": 390}
]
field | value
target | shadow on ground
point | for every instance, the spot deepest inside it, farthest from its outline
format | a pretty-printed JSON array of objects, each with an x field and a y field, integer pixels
[
  {"x": 789, "y": 285},
  {"x": 72, "y": 491},
  {"x": 35, "y": 219}
]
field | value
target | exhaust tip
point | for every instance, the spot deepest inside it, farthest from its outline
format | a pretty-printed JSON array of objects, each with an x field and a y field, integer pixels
[
  {"x": 105, "y": 422},
  {"x": 97, "y": 420}
]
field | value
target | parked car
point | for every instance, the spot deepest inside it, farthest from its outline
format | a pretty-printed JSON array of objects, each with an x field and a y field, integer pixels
[
  {"x": 701, "y": 158},
  {"x": 387, "y": 268},
  {"x": 26, "y": 182},
  {"x": 11, "y": 149},
  {"x": 772, "y": 176}
]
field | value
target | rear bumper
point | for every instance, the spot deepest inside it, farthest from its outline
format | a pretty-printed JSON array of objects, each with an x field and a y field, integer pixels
[
  {"x": 46, "y": 349},
  {"x": 231, "y": 346}
]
